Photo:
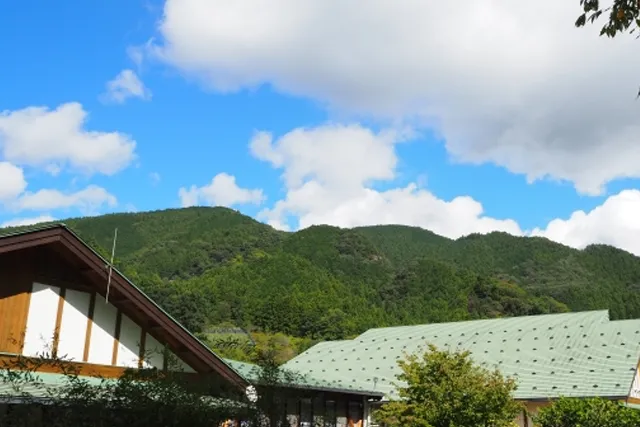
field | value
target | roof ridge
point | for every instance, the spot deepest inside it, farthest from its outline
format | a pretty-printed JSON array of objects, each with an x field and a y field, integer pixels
[{"x": 493, "y": 319}]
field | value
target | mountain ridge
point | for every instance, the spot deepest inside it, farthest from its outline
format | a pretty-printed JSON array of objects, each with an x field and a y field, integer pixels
[{"x": 210, "y": 266}]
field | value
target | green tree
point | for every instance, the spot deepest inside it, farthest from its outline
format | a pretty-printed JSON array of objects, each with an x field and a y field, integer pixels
[
  {"x": 622, "y": 16},
  {"x": 446, "y": 389},
  {"x": 595, "y": 412}
]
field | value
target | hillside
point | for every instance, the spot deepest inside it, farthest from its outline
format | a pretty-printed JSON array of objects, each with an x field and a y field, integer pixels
[{"x": 213, "y": 266}]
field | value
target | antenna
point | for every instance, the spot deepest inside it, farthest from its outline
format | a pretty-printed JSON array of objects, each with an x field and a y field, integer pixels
[{"x": 113, "y": 252}]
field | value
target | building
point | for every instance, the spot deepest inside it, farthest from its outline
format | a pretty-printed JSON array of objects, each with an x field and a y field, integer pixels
[
  {"x": 579, "y": 355},
  {"x": 56, "y": 299},
  {"x": 53, "y": 303},
  {"x": 311, "y": 400}
]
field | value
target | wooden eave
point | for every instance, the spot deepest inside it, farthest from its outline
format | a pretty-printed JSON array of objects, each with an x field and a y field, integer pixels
[{"x": 125, "y": 296}]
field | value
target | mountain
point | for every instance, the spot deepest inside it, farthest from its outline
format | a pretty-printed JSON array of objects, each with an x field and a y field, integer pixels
[{"x": 215, "y": 266}]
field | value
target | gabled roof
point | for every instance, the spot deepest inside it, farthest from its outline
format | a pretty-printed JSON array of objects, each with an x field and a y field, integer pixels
[
  {"x": 573, "y": 355},
  {"x": 123, "y": 294}
]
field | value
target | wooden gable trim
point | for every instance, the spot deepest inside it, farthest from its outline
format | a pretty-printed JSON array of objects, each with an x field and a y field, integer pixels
[
  {"x": 56, "y": 331},
  {"x": 29, "y": 240},
  {"x": 121, "y": 286},
  {"x": 181, "y": 343},
  {"x": 87, "y": 335}
]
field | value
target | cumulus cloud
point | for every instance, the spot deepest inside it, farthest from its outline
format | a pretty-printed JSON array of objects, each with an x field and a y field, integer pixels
[
  {"x": 342, "y": 192},
  {"x": 616, "y": 222},
  {"x": 126, "y": 85},
  {"x": 56, "y": 139},
  {"x": 20, "y": 222},
  {"x": 221, "y": 191},
  {"x": 509, "y": 82},
  {"x": 12, "y": 181},
  {"x": 87, "y": 200},
  {"x": 330, "y": 173}
]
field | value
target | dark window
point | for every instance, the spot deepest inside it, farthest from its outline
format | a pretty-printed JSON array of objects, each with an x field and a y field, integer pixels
[
  {"x": 306, "y": 413},
  {"x": 330, "y": 413}
]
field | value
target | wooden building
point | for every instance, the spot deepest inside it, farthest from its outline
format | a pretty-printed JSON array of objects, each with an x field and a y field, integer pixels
[{"x": 53, "y": 304}]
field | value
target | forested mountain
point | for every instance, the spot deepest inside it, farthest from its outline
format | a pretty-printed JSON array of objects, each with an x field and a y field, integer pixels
[{"x": 215, "y": 266}]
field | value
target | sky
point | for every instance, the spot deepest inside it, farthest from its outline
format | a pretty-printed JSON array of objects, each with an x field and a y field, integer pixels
[{"x": 458, "y": 117}]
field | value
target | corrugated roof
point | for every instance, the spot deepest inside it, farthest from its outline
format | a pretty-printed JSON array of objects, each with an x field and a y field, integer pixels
[
  {"x": 41, "y": 385},
  {"x": 573, "y": 354},
  {"x": 251, "y": 373}
]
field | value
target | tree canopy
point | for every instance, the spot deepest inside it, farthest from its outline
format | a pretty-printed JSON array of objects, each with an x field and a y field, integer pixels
[
  {"x": 595, "y": 412},
  {"x": 621, "y": 16},
  {"x": 446, "y": 389},
  {"x": 210, "y": 267}
]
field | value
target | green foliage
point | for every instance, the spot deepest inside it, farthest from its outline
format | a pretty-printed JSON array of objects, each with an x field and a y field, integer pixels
[
  {"x": 595, "y": 412},
  {"x": 622, "y": 15},
  {"x": 146, "y": 397},
  {"x": 445, "y": 388},
  {"x": 214, "y": 266}
]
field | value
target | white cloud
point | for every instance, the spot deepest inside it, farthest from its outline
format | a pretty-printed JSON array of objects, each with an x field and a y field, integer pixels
[
  {"x": 504, "y": 81},
  {"x": 616, "y": 222},
  {"x": 329, "y": 173},
  {"x": 127, "y": 85},
  {"x": 303, "y": 153},
  {"x": 19, "y": 222},
  {"x": 222, "y": 191},
  {"x": 53, "y": 139},
  {"x": 12, "y": 181},
  {"x": 88, "y": 200}
]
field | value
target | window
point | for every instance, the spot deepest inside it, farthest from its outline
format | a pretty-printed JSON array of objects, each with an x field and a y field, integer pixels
[
  {"x": 306, "y": 413},
  {"x": 330, "y": 413}
]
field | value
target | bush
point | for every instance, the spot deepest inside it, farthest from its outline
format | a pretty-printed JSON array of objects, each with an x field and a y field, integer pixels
[{"x": 594, "y": 412}]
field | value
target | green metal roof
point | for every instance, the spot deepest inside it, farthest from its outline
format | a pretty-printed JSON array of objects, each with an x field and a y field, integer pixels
[
  {"x": 40, "y": 385},
  {"x": 251, "y": 373},
  {"x": 570, "y": 354}
]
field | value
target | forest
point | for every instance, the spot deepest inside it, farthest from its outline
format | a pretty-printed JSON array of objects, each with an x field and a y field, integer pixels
[{"x": 238, "y": 283}]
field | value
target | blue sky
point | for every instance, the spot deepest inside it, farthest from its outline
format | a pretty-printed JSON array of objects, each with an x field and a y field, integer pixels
[{"x": 377, "y": 104}]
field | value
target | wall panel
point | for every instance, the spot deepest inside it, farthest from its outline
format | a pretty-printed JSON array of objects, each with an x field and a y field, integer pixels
[
  {"x": 153, "y": 353},
  {"x": 15, "y": 293},
  {"x": 41, "y": 320},
  {"x": 129, "y": 346},
  {"x": 73, "y": 326},
  {"x": 102, "y": 332}
]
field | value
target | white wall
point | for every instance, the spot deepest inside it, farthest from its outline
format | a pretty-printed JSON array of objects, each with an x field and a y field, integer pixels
[
  {"x": 129, "y": 346},
  {"x": 635, "y": 387},
  {"x": 41, "y": 321},
  {"x": 153, "y": 353},
  {"x": 102, "y": 332},
  {"x": 73, "y": 325}
]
